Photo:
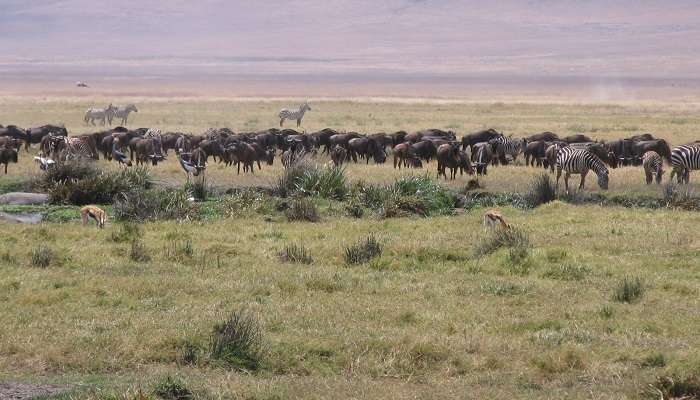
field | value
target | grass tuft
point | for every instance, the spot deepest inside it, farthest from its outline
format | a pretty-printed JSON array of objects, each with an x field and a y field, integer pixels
[
  {"x": 363, "y": 251},
  {"x": 302, "y": 209},
  {"x": 127, "y": 232},
  {"x": 499, "y": 237},
  {"x": 139, "y": 252},
  {"x": 295, "y": 253},
  {"x": 42, "y": 256},
  {"x": 567, "y": 272},
  {"x": 237, "y": 342},
  {"x": 542, "y": 190},
  {"x": 676, "y": 387},
  {"x": 172, "y": 388},
  {"x": 628, "y": 290}
]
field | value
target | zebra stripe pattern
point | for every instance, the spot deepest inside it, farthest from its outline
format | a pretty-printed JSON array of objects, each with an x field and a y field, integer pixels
[
  {"x": 580, "y": 161},
  {"x": 77, "y": 147},
  {"x": 683, "y": 160},
  {"x": 508, "y": 146},
  {"x": 297, "y": 115},
  {"x": 653, "y": 166}
]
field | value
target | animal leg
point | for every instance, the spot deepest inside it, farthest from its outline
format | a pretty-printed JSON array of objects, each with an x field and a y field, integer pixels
[
  {"x": 583, "y": 180},
  {"x": 281, "y": 122}
]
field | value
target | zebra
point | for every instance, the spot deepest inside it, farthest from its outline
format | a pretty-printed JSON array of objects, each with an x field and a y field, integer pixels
[
  {"x": 76, "y": 147},
  {"x": 123, "y": 113},
  {"x": 580, "y": 161},
  {"x": 100, "y": 114},
  {"x": 653, "y": 166},
  {"x": 505, "y": 146},
  {"x": 684, "y": 159},
  {"x": 286, "y": 113}
]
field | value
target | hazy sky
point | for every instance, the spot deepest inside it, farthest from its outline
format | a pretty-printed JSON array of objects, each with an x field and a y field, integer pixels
[{"x": 536, "y": 37}]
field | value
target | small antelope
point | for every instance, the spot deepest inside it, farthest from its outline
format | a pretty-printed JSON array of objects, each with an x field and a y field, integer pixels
[
  {"x": 95, "y": 213},
  {"x": 493, "y": 218}
]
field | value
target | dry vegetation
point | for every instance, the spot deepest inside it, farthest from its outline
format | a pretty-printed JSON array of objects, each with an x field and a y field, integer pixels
[{"x": 584, "y": 301}]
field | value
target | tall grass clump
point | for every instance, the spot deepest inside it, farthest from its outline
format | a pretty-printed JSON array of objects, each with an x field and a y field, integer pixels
[
  {"x": 127, "y": 232},
  {"x": 499, "y": 237},
  {"x": 237, "y": 342},
  {"x": 328, "y": 182},
  {"x": 363, "y": 251},
  {"x": 199, "y": 189},
  {"x": 138, "y": 205},
  {"x": 172, "y": 388},
  {"x": 302, "y": 209},
  {"x": 295, "y": 253},
  {"x": 41, "y": 256},
  {"x": 245, "y": 201},
  {"x": 139, "y": 252},
  {"x": 286, "y": 184},
  {"x": 675, "y": 387},
  {"x": 675, "y": 197},
  {"x": 542, "y": 190},
  {"x": 628, "y": 290}
]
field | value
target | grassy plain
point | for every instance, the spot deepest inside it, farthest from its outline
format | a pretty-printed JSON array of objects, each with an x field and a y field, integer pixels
[{"x": 427, "y": 319}]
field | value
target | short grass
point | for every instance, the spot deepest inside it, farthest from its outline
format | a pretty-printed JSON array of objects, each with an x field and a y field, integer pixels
[{"x": 425, "y": 319}]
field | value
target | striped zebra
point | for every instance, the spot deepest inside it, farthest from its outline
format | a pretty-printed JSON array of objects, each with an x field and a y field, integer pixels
[
  {"x": 580, "y": 161},
  {"x": 653, "y": 166},
  {"x": 123, "y": 113},
  {"x": 76, "y": 147},
  {"x": 100, "y": 114},
  {"x": 505, "y": 146},
  {"x": 684, "y": 159},
  {"x": 286, "y": 113},
  {"x": 293, "y": 156}
]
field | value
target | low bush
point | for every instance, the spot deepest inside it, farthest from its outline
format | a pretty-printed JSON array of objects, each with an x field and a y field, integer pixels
[
  {"x": 628, "y": 290},
  {"x": 685, "y": 198},
  {"x": 286, "y": 184},
  {"x": 542, "y": 190},
  {"x": 675, "y": 387},
  {"x": 198, "y": 189},
  {"x": 363, "y": 251},
  {"x": 326, "y": 182},
  {"x": 245, "y": 201},
  {"x": 237, "y": 342},
  {"x": 137, "y": 205},
  {"x": 567, "y": 272},
  {"x": 139, "y": 252},
  {"x": 172, "y": 388},
  {"x": 42, "y": 256},
  {"x": 295, "y": 253},
  {"x": 354, "y": 208},
  {"x": 302, "y": 209},
  {"x": 127, "y": 232},
  {"x": 500, "y": 237}
]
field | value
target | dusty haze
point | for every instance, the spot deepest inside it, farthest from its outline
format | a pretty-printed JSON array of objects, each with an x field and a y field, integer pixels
[{"x": 597, "y": 49}]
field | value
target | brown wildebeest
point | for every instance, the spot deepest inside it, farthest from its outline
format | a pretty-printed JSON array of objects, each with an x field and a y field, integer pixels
[
  {"x": 660, "y": 146},
  {"x": 424, "y": 150},
  {"x": 449, "y": 156},
  {"x": 403, "y": 152},
  {"x": 534, "y": 153},
  {"x": 34, "y": 135},
  {"x": 10, "y": 142},
  {"x": 366, "y": 147},
  {"x": 544, "y": 136},
  {"x": 146, "y": 149},
  {"x": 212, "y": 148},
  {"x": 338, "y": 155},
  {"x": 7, "y": 155},
  {"x": 246, "y": 154},
  {"x": 577, "y": 139},
  {"x": 342, "y": 139},
  {"x": 481, "y": 157},
  {"x": 471, "y": 139},
  {"x": 14, "y": 132}
]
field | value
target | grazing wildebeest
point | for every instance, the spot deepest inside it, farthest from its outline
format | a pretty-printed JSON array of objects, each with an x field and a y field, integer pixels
[
  {"x": 577, "y": 139},
  {"x": 424, "y": 150},
  {"x": 34, "y": 135},
  {"x": 322, "y": 138},
  {"x": 397, "y": 137},
  {"x": 471, "y": 139},
  {"x": 414, "y": 137},
  {"x": 7, "y": 155},
  {"x": 338, "y": 155},
  {"x": 10, "y": 142},
  {"x": 449, "y": 156},
  {"x": 169, "y": 141},
  {"x": 405, "y": 156},
  {"x": 14, "y": 132},
  {"x": 342, "y": 139},
  {"x": 212, "y": 148},
  {"x": 123, "y": 113},
  {"x": 660, "y": 146},
  {"x": 100, "y": 114},
  {"x": 146, "y": 149},
  {"x": 246, "y": 154},
  {"x": 544, "y": 136},
  {"x": 642, "y": 137},
  {"x": 297, "y": 115},
  {"x": 264, "y": 154},
  {"x": 621, "y": 150},
  {"x": 366, "y": 147},
  {"x": 481, "y": 157},
  {"x": 534, "y": 153}
]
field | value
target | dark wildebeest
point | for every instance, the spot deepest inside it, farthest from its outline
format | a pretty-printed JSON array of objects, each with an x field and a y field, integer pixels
[
  {"x": 414, "y": 137},
  {"x": 246, "y": 154},
  {"x": 10, "y": 142},
  {"x": 622, "y": 150},
  {"x": 544, "y": 136},
  {"x": 322, "y": 138},
  {"x": 34, "y": 135},
  {"x": 397, "y": 137},
  {"x": 424, "y": 150},
  {"x": 383, "y": 140},
  {"x": 481, "y": 157},
  {"x": 660, "y": 146},
  {"x": 212, "y": 148},
  {"x": 339, "y": 155},
  {"x": 169, "y": 141},
  {"x": 7, "y": 155},
  {"x": 147, "y": 149},
  {"x": 366, "y": 147},
  {"x": 14, "y": 132},
  {"x": 449, "y": 156},
  {"x": 642, "y": 137},
  {"x": 264, "y": 154},
  {"x": 534, "y": 153},
  {"x": 471, "y": 139},
  {"x": 342, "y": 139},
  {"x": 577, "y": 139},
  {"x": 405, "y": 156}
]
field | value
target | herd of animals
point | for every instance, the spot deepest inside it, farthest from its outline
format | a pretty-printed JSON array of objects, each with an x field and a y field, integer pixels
[{"x": 472, "y": 153}]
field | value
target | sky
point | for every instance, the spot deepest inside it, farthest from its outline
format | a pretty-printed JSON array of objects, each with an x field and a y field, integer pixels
[{"x": 530, "y": 38}]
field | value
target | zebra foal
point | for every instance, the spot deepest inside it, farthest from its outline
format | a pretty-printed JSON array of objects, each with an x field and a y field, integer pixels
[
  {"x": 653, "y": 166},
  {"x": 297, "y": 115},
  {"x": 580, "y": 161}
]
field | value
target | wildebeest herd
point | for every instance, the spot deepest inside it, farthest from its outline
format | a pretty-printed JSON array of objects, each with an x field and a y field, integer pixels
[{"x": 473, "y": 153}]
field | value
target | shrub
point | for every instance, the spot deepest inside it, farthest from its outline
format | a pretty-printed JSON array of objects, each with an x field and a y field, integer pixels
[
  {"x": 363, "y": 251},
  {"x": 128, "y": 231},
  {"x": 179, "y": 250},
  {"x": 567, "y": 272},
  {"x": 542, "y": 190},
  {"x": 172, "y": 388},
  {"x": 198, "y": 189},
  {"x": 189, "y": 353},
  {"x": 628, "y": 290},
  {"x": 501, "y": 237},
  {"x": 676, "y": 198},
  {"x": 354, "y": 208},
  {"x": 501, "y": 288},
  {"x": 676, "y": 387},
  {"x": 237, "y": 342},
  {"x": 302, "y": 209},
  {"x": 428, "y": 192},
  {"x": 326, "y": 182},
  {"x": 606, "y": 312},
  {"x": 41, "y": 256},
  {"x": 137, "y": 205},
  {"x": 655, "y": 360},
  {"x": 139, "y": 252},
  {"x": 295, "y": 253},
  {"x": 247, "y": 200},
  {"x": 287, "y": 183}
]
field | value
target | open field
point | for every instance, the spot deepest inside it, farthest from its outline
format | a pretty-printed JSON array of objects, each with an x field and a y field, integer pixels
[{"x": 430, "y": 317}]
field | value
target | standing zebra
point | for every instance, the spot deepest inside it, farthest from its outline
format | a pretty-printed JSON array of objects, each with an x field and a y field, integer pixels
[
  {"x": 123, "y": 113},
  {"x": 76, "y": 147},
  {"x": 653, "y": 166},
  {"x": 580, "y": 161},
  {"x": 100, "y": 114},
  {"x": 286, "y": 113},
  {"x": 684, "y": 159},
  {"x": 504, "y": 146}
]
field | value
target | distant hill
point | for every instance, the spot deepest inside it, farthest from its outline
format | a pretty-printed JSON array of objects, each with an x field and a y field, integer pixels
[{"x": 363, "y": 37}]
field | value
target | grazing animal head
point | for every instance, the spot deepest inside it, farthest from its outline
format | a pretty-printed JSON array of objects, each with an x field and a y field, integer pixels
[
  {"x": 131, "y": 107},
  {"x": 305, "y": 106}
]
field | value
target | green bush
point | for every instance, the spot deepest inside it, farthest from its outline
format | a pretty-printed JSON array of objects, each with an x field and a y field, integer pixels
[
  {"x": 295, "y": 253},
  {"x": 127, "y": 232},
  {"x": 500, "y": 237},
  {"x": 542, "y": 190},
  {"x": 325, "y": 182},
  {"x": 567, "y": 272},
  {"x": 628, "y": 290},
  {"x": 237, "y": 342},
  {"x": 139, "y": 252},
  {"x": 138, "y": 205},
  {"x": 245, "y": 201},
  {"x": 172, "y": 388},
  {"x": 363, "y": 251},
  {"x": 41, "y": 256},
  {"x": 302, "y": 209}
]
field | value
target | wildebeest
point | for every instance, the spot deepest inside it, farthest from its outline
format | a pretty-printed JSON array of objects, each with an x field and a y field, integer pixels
[
  {"x": 578, "y": 138},
  {"x": 246, "y": 154},
  {"x": 212, "y": 148},
  {"x": 414, "y": 137},
  {"x": 397, "y": 137},
  {"x": 366, "y": 147},
  {"x": 449, "y": 156},
  {"x": 424, "y": 150},
  {"x": 7, "y": 155},
  {"x": 469, "y": 140},
  {"x": 34, "y": 135},
  {"x": 322, "y": 138},
  {"x": 544, "y": 136},
  {"x": 14, "y": 132},
  {"x": 338, "y": 155},
  {"x": 405, "y": 156},
  {"x": 534, "y": 153},
  {"x": 10, "y": 142},
  {"x": 660, "y": 146},
  {"x": 481, "y": 157},
  {"x": 146, "y": 149},
  {"x": 342, "y": 139}
]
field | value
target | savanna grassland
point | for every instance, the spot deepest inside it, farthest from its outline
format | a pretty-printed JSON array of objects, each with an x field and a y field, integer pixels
[{"x": 586, "y": 302}]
